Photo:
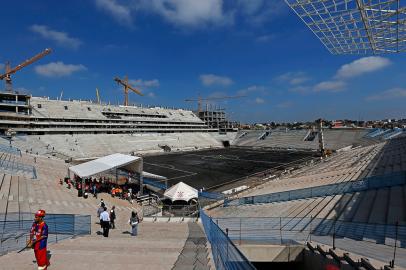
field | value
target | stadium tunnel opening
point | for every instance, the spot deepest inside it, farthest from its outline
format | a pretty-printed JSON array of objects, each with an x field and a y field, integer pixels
[
  {"x": 226, "y": 144},
  {"x": 306, "y": 260}
]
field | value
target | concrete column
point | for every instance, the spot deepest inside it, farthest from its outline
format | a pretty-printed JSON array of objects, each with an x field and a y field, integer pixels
[{"x": 16, "y": 103}]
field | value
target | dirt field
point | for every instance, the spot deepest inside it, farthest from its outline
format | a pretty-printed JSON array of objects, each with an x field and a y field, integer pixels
[{"x": 211, "y": 168}]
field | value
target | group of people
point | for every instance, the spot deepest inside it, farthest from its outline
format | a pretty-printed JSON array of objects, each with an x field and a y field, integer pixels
[
  {"x": 107, "y": 219},
  {"x": 103, "y": 184}
]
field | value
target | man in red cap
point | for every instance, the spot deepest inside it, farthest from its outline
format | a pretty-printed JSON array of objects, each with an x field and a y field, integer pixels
[{"x": 38, "y": 239}]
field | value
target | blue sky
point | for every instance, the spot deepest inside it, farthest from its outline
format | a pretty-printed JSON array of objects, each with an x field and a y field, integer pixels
[{"x": 175, "y": 49}]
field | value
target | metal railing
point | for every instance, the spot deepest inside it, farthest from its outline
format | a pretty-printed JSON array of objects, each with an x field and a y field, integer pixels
[
  {"x": 207, "y": 198},
  {"x": 154, "y": 183},
  {"x": 10, "y": 149},
  {"x": 15, "y": 228},
  {"x": 14, "y": 167},
  {"x": 225, "y": 254},
  {"x": 376, "y": 238},
  {"x": 374, "y": 182},
  {"x": 180, "y": 210},
  {"x": 211, "y": 195}
]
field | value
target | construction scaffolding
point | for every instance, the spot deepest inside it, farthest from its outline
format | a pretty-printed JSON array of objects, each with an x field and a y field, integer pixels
[{"x": 355, "y": 26}]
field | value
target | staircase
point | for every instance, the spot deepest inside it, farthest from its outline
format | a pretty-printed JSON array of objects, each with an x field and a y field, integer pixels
[{"x": 159, "y": 245}]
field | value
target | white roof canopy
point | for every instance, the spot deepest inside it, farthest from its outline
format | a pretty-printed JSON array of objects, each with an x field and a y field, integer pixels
[
  {"x": 104, "y": 164},
  {"x": 181, "y": 192}
]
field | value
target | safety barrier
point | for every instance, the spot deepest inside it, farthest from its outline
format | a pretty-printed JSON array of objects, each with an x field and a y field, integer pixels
[
  {"x": 14, "y": 167},
  {"x": 373, "y": 182},
  {"x": 208, "y": 198},
  {"x": 290, "y": 230},
  {"x": 180, "y": 210},
  {"x": 211, "y": 195},
  {"x": 225, "y": 254},
  {"x": 10, "y": 149},
  {"x": 15, "y": 227},
  {"x": 154, "y": 183},
  {"x": 394, "y": 133}
]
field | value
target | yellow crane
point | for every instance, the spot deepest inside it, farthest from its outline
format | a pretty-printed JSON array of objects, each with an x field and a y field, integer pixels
[
  {"x": 127, "y": 86},
  {"x": 10, "y": 71},
  {"x": 199, "y": 100}
]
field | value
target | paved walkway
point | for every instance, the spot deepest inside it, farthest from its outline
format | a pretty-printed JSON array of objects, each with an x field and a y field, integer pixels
[
  {"x": 158, "y": 246},
  {"x": 166, "y": 245}
]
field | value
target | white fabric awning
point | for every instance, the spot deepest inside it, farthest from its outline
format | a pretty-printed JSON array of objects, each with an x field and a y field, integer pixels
[
  {"x": 107, "y": 163},
  {"x": 181, "y": 192}
]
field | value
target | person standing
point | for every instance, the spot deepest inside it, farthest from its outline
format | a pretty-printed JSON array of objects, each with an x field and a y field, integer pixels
[
  {"x": 38, "y": 240},
  {"x": 112, "y": 217},
  {"x": 134, "y": 220},
  {"x": 105, "y": 222}
]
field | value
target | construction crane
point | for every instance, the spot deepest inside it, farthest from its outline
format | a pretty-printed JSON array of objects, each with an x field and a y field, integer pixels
[
  {"x": 98, "y": 96},
  {"x": 127, "y": 86},
  {"x": 199, "y": 100},
  {"x": 9, "y": 70}
]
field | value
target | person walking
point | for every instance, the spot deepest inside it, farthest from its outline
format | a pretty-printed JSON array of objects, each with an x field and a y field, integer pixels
[
  {"x": 105, "y": 222},
  {"x": 134, "y": 220},
  {"x": 99, "y": 211},
  {"x": 112, "y": 217},
  {"x": 38, "y": 240},
  {"x": 94, "y": 188}
]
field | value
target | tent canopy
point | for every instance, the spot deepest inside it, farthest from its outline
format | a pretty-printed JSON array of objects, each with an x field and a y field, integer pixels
[
  {"x": 181, "y": 192},
  {"x": 104, "y": 164}
]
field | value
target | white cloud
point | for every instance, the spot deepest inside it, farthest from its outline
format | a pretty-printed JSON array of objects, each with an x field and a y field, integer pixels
[
  {"x": 151, "y": 95},
  {"x": 119, "y": 12},
  {"x": 293, "y": 78},
  {"x": 265, "y": 38},
  {"x": 211, "y": 79},
  {"x": 144, "y": 84},
  {"x": 194, "y": 13},
  {"x": 252, "y": 89},
  {"x": 389, "y": 94},
  {"x": 58, "y": 69},
  {"x": 300, "y": 89},
  {"x": 330, "y": 86},
  {"x": 259, "y": 100},
  {"x": 285, "y": 105},
  {"x": 191, "y": 13},
  {"x": 217, "y": 94},
  {"x": 61, "y": 38},
  {"x": 258, "y": 12},
  {"x": 362, "y": 66}
]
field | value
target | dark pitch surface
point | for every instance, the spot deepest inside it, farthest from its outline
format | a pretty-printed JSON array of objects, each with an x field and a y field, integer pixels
[{"x": 213, "y": 167}]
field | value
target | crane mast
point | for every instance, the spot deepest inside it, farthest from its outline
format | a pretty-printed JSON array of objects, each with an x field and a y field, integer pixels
[
  {"x": 127, "y": 87},
  {"x": 98, "y": 96}
]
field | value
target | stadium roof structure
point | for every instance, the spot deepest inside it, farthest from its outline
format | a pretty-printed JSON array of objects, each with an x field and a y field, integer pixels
[{"x": 355, "y": 26}]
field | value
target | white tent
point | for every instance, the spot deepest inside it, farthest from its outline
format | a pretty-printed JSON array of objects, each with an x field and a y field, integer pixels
[
  {"x": 104, "y": 164},
  {"x": 181, "y": 192}
]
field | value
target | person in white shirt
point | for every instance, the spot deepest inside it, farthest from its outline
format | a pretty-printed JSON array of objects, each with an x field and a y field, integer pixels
[{"x": 105, "y": 222}]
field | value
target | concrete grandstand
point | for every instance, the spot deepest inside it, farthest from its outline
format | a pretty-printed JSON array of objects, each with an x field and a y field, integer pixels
[
  {"x": 365, "y": 219},
  {"x": 270, "y": 177}
]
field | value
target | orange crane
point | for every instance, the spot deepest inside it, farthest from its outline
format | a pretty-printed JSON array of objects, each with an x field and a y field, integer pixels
[
  {"x": 127, "y": 86},
  {"x": 199, "y": 100},
  {"x": 9, "y": 70}
]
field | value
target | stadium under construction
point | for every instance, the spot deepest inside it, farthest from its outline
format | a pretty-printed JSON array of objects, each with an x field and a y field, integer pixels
[{"x": 271, "y": 198}]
